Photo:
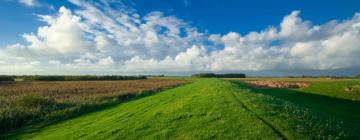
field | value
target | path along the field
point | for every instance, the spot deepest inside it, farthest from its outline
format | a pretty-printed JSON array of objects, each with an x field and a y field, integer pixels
[{"x": 204, "y": 109}]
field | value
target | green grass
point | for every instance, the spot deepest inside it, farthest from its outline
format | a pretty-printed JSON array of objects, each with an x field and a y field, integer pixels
[
  {"x": 321, "y": 86},
  {"x": 335, "y": 88},
  {"x": 341, "y": 116},
  {"x": 213, "y": 109}
]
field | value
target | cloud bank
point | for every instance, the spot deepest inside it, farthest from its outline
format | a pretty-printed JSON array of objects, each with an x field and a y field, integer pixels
[{"x": 99, "y": 39}]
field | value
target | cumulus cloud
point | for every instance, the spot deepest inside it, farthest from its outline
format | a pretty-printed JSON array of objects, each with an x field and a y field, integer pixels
[
  {"x": 65, "y": 34},
  {"x": 99, "y": 39},
  {"x": 298, "y": 45},
  {"x": 293, "y": 28}
]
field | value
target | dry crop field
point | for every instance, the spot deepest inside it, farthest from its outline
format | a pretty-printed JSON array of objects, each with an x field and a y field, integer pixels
[{"x": 25, "y": 103}]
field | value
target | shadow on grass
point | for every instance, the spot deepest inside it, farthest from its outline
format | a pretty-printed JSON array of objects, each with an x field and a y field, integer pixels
[
  {"x": 72, "y": 113},
  {"x": 340, "y": 109}
]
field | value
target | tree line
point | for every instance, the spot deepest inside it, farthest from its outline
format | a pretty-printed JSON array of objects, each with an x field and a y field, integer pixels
[
  {"x": 213, "y": 75},
  {"x": 69, "y": 78}
]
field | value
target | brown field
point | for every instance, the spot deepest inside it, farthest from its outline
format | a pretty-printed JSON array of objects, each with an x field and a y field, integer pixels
[
  {"x": 24, "y": 102},
  {"x": 74, "y": 91},
  {"x": 276, "y": 84}
]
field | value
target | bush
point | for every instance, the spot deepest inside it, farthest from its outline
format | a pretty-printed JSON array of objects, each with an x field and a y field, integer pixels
[
  {"x": 80, "y": 78},
  {"x": 50, "y": 78},
  {"x": 209, "y": 75},
  {"x": 204, "y": 75},
  {"x": 113, "y": 77},
  {"x": 6, "y": 78},
  {"x": 231, "y": 75}
]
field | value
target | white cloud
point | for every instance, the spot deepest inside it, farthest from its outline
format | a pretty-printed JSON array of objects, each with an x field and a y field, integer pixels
[
  {"x": 97, "y": 39},
  {"x": 106, "y": 61},
  {"x": 293, "y": 27},
  {"x": 29, "y": 3},
  {"x": 194, "y": 58},
  {"x": 64, "y": 35},
  {"x": 298, "y": 45}
]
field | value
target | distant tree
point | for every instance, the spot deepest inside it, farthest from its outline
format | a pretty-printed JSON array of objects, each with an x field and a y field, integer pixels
[
  {"x": 231, "y": 75},
  {"x": 49, "y": 78},
  {"x": 204, "y": 75},
  {"x": 6, "y": 78},
  {"x": 155, "y": 75},
  {"x": 228, "y": 75},
  {"x": 79, "y": 78},
  {"x": 357, "y": 76}
]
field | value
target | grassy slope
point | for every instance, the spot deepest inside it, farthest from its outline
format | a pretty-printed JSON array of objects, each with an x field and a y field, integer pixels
[
  {"x": 335, "y": 88},
  {"x": 311, "y": 114},
  {"x": 209, "y": 108},
  {"x": 321, "y": 86}
]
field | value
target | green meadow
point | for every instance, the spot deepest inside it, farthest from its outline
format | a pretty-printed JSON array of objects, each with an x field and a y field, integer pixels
[{"x": 212, "y": 108}]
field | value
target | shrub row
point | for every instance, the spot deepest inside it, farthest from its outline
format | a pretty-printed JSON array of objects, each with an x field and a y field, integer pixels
[
  {"x": 324, "y": 76},
  {"x": 79, "y": 78},
  {"x": 228, "y": 75},
  {"x": 6, "y": 78}
]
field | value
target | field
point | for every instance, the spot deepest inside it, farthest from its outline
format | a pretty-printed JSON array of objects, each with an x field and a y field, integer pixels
[
  {"x": 323, "y": 86},
  {"x": 26, "y": 103},
  {"x": 219, "y": 109}
]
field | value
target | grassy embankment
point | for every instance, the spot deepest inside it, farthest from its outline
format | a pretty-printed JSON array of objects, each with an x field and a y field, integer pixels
[{"x": 213, "y": 109}]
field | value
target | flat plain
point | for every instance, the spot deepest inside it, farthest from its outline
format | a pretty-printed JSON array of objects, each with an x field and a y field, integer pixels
[{"x": 212, "y": 108}]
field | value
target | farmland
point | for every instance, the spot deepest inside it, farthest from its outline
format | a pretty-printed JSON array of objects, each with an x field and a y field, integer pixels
[
  {"x": 337, "y": 88},
  {"x": 179, "y": 70},
  {"x": 212, "y": 108},
  {"x": 26, "y": 103}
]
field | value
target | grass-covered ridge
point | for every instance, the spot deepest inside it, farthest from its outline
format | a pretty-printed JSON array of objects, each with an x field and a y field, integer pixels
[{"x": 205, "y": 109}]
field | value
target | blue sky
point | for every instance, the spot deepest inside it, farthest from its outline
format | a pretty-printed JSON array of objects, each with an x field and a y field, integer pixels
[
  {"x": 222, "y": 16},
  {"x": 214, "y": 16},
  {"x": 179, "y": 36}
]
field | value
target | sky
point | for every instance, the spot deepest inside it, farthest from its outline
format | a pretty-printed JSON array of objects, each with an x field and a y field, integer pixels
[{"x": 180, "y": 37}]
